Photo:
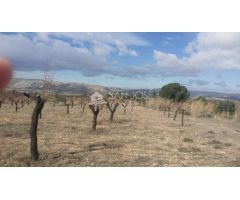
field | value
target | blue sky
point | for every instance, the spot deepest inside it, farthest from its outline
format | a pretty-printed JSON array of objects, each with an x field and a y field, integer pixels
[{"x": 201, "y": 61}]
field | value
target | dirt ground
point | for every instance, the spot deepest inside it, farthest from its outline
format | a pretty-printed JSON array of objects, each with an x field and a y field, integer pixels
[{"x": 142, "y": 137}]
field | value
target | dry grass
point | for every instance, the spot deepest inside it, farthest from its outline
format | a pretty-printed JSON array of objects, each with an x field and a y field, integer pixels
[{"x": 143, "y": 137}]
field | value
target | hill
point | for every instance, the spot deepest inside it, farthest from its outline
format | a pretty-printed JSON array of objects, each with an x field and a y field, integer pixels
[{"x": 30, "y": 85}]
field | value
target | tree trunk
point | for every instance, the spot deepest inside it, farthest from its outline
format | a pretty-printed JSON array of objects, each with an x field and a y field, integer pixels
[
  {"x": 182, "y": 117},
  {"x": 22, "y": 104},
  {"x": 83, "y": 108},
  {"x": 33, "y": 129},
  {"x": 0, "y": 104},
  {"x": 175, "y": 116},
  {"x": 67, "y": 108},
  {"x": 124, "y": 110},
  {"x": 94, "y": 123},
  {"x": 111, "y": 116},
  {"x": 16, "y": 106},
  {"x": 168, "y": 111},
  {"x": 95, "y": 111},
  {"x": 111, "y": 109}
]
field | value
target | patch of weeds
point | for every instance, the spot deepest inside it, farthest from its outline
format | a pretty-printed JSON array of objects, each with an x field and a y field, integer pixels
[
  {"x": 211, "y": 132},
  {"x": 189, "y": 150},
  {"x": 188, "y": 140},
  {"x": 103, "y": 145},
  {"x": 74, "y": 127},
  {"x": 214, "y": 142},
  {"x": 228, "y": 144}
]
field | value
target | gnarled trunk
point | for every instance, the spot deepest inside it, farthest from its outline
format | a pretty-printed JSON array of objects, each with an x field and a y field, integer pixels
[
  {"x": 111, "y": 109},
  {"x": 111, "y": 116},
  {"x": 95, "y": 111},
  {"x": 33, "y": 129},
  {"x": 94, "y": 123}
]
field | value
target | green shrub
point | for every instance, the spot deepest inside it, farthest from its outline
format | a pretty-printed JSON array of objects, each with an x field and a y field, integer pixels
[
  {"x": 225, "y": 106},
  {"x": 175, "y": 92}
]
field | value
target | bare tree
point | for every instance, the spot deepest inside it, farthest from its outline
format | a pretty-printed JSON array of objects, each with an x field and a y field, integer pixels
[
  {"x": 72, "y": 102},
  {"x": 16, "y": 104},
  {"x": 67, "y": 105},
  {"x": 34, "y": 125},
  {"x": 124, "y": 104},
  {"x": 182, "y": 110},
  {"x": 84, "y": 102},
  {"x": 112, "y": 106},
  {"x": 176, "y": 112},
  {"x": 40, "y": 101},
  {"x": 95, "y": 111}
]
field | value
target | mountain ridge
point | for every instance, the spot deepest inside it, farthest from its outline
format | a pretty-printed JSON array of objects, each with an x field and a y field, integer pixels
[{"x": 32, "y": 85}]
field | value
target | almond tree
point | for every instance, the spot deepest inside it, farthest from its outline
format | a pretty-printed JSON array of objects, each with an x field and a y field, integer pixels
[
  {"x": 16, "y": 101},
  {"x": 124, "y": 104},
  {"x": 40, "y": 101},
  {"x": 67, "y": 105},
  {"x": 34, "y": 124},
  {"x": 181, "y": 109},
  {"x": 112, "y": 106},
  {"x": 83, "y": 103},
  {"x": 95, "y": 111}
]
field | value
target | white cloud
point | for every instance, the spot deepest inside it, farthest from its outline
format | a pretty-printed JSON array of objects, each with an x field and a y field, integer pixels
[
  {"x": 103, "y": 49},
  {"x": 100, "y": 37},
  {"x": 219, "y": 51},
  {"x": 90, "y": 53},
  {"x": 207, "y": 41},
  {"x": 120, "y": 41},
  {"x": 207, "y": 51},
  {"x": 86, "y": 52}
]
